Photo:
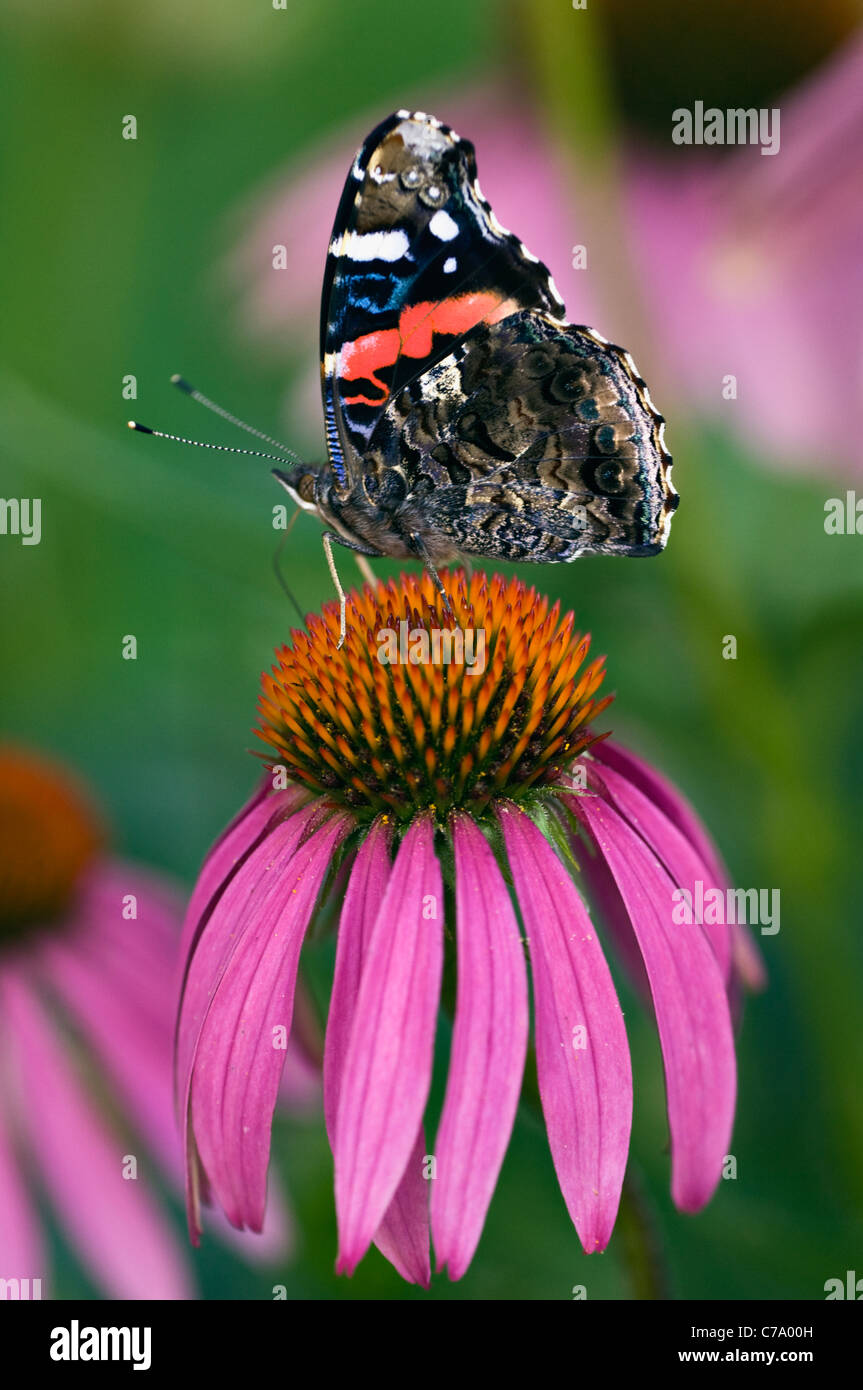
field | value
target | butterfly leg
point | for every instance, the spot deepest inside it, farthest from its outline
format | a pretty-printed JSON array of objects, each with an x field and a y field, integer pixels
[
  {"x": 419, "y": 548},
  {"x": 328, "y": 538},
  {"x": 366, "y": 570}
]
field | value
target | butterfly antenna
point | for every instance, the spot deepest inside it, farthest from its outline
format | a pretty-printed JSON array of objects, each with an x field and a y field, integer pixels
[
  {"x": 186, "y": 387},
  {"x": 200, "y": 443}
]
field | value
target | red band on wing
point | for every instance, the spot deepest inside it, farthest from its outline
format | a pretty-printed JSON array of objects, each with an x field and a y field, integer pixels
[{"x": 362, "y": 358}]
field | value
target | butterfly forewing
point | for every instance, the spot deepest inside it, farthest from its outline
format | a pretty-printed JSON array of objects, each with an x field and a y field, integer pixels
[{"x": 416, "y": 259}]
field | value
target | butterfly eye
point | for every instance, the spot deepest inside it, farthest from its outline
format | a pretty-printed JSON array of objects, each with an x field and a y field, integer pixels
[
  {"x": 411, "y": 178},
  {"x": 370, "y": 483},
  {"x": 432, "y": 195}
]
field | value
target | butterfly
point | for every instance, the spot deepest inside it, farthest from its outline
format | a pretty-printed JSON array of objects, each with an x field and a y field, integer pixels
[{"x": 463, "y": 415}]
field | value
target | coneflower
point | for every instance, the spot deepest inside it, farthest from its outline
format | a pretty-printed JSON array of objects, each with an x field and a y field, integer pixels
[
  {"x": 448, "y": 803},
  {"x": 87, "y": 955},
  {"x": 88, "y": 965}
]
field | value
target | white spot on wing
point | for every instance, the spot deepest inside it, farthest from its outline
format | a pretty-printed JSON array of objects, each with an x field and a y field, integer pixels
[
  {"x": 443, "y": 227},
  {"x": 372, "y": 246},
  {"x": 449, "y": 265}
]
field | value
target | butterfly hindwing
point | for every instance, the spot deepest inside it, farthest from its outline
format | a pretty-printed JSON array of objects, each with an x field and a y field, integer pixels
[
  {"x": 416, "y": 259},
  {"x": 531, "y": 440}
]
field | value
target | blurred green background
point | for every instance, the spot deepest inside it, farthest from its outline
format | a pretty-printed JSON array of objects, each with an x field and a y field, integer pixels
[{"x": 112, "y": 253}]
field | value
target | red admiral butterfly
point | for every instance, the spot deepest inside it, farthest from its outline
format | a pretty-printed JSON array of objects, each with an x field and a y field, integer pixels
[{"x": 463, "y": 415}]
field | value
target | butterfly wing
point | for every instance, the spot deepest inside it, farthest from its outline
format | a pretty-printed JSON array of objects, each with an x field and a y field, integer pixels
[
  {"x": 531, "y": 440},
  {"x": 416, "y": 259}
]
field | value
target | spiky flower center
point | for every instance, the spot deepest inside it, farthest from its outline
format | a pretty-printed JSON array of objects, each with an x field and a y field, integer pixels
[
  {"x": 422, "y": 708},
  {"x": 48, "y": 836}
]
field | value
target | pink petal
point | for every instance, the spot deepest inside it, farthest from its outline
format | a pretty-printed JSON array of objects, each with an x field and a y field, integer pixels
[
  {"x": 586, "y": 1091},
  {"x": 219, "y": 935},
  {"x": 386, "y": 1083},
  {"x": 22, "y": 1254},
  {"x": 237, "y": 1066},
  {"x": 403, "y": 1236},
  {"x": 134, "y": 957},
  {"x": 674, "y": 852},
  {"x": 365, "y": 891},
  {"x": 488, "y": 1051},
  {"x": 666, "y": 796},
  {"x": 116, "y": 1224},
  {"x": 674, "y": 805},
  {"x": 599, "y": 881},
  {"x": 134, "y": 1051},
  {"x": 690, "y": 1001},
  {"x": 232, "y": 846},
  {"x": 273, "y": 1244}
]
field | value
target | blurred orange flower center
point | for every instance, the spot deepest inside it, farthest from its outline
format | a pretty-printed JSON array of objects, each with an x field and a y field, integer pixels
[{"x": 48, "y": 836}]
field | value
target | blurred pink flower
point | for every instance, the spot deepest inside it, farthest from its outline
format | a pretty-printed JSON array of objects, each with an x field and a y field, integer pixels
[
  {"x": 748, "y": 265},
  {"x": 88, "y": 960}
]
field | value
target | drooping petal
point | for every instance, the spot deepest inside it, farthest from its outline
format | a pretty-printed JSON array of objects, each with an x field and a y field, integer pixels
[
  {"x": 488, "y": 1051},
  {"x": 666, "y": 797},
  {"x": 22, "y": 1253},
  {"x": 124, "y": 925},
  {"x": 365, "y": 892},
  {"x": 683, "y": 864},
  {"x": 231, "y": 848},
  {"x": 691, "y": 1006},
  {"x": 388, "y": 1073},
  {"x": 582, "y": 1054},
  {"x": 240, "y": 1052},
  {"x": 273, "y": 1244},
  {"x": 673, "y": 804},
  {"x": 134, "y": 1050},
  {"x": 238, "y": 904},
  {"x": 403, "y": 1236},
  {"x": 115, "y": 1223},
  {"x": 603, "y": 892}
]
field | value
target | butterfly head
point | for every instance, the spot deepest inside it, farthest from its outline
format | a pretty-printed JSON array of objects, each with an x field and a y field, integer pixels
[{"x": 302, "y": 483}]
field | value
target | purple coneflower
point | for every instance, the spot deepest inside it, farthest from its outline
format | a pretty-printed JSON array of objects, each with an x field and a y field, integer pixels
[
  {"x": 88, "y": 964},
  {"x": 437, "y": 804},
  {"x": 87, "y": 954}
]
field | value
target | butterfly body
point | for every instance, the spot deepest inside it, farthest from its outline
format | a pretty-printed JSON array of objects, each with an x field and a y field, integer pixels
[{"x": 463, "y": 415}]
